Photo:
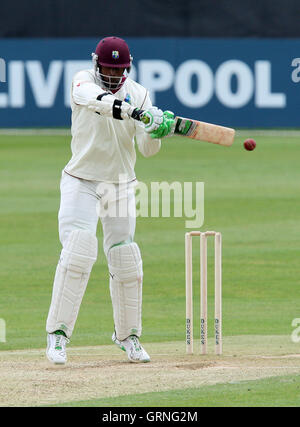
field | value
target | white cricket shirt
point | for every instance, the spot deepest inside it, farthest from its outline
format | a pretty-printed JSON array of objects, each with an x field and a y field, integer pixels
[{"x": 103, "y": 148}]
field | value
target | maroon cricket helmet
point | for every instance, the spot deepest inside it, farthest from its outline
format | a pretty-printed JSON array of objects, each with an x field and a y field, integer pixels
[{"x": 113, "y": 52}]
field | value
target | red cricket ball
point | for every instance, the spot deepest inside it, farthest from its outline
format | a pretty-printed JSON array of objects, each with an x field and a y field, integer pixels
[{"x": 249, "y": 144}]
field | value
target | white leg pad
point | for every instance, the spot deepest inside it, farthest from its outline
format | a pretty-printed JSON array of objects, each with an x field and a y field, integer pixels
[
  {"x": 72, "y": 274},
  {"x": 126, "y": 276}
]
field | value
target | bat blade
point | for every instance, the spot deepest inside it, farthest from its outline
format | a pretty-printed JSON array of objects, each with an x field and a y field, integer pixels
[{"x": 203, "y": 131}]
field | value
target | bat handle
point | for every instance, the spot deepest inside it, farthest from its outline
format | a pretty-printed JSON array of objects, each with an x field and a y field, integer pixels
[{"x": 145, "y": 120}]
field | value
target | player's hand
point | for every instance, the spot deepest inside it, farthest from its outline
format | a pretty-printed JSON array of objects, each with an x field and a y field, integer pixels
[
  {"x": 152, "y": 119},
  {"x": 166, "y": 127}
]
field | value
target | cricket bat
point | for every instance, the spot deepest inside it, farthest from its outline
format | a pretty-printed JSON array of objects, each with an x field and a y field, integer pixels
[{"x": 202, "y": 131}]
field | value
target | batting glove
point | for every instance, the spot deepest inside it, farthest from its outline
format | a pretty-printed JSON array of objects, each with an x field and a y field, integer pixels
[
  {"x": 166, "y": 127},
  {"x": 152, "y": 119}
]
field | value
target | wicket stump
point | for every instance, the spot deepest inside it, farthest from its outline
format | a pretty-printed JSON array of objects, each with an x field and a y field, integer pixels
[{"x": 203, "y": 291}]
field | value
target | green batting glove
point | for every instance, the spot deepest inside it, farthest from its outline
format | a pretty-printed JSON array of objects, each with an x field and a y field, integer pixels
[{"x": 166, "y": 127}]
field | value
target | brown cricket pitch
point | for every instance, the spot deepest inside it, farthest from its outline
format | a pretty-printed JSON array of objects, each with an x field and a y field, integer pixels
[{"x": 28, "y": 379}]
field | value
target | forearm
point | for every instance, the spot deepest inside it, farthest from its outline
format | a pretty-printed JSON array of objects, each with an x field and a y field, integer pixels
[
  {"x": 147, "y": 145},
  {"x": 108, "y": 105}
]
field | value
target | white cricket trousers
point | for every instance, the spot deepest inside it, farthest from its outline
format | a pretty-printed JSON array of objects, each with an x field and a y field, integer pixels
[{"x": 82, "y": 201}]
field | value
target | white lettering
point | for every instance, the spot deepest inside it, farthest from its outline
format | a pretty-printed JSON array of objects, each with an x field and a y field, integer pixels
[
  {"x": 141, "y": 199},
  {"x": 112, "y": 417},
  {"x": 264, "y": 98},
  {"x": 295, "y": 334},
  {"x": 166, "y": 189},
  {"x": 171, "y": 416},
  {"x": 205, "y": 83},
  {"x": 195, "y": 84},
  {"x": 192, "y": 417},
  {"x": 3, "y": 96},
  {"x": 198, "y": 212},
  {"x": 44, "y": 88},
  {"x": 2, "y": 70},
  {"x": 16, "y": 84},
  {"x": 156, "y": 76},
  {"x": 296, "y": 72},
  {"x": 245, "y": 84}
]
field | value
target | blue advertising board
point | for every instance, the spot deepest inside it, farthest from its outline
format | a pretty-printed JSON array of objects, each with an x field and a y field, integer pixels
[{"x": 232, "y": 82}]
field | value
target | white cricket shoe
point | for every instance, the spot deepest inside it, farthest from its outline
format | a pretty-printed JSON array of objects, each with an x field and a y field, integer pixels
[
  {"x": 135, "y": 352},
  {"x": 56, "y": 348}
]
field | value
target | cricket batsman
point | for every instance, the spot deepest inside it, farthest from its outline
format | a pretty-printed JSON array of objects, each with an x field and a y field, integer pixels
[{"x": 106, "y": 108}]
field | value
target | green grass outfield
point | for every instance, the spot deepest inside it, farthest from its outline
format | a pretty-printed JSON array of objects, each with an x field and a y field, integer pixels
[
  {"x": 251, "y": 197},
  {"x": 271, "y": 392}
]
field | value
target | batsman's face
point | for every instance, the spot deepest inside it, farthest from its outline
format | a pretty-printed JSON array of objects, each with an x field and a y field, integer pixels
[
  {"x": 112, "y": 72},
  {"x": 111, "y": 77}
]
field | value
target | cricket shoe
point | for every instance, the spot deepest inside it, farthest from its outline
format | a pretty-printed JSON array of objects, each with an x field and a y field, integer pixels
[
  {"x": 56, "y": 348},
  {"x": 135, "y": 352}
]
